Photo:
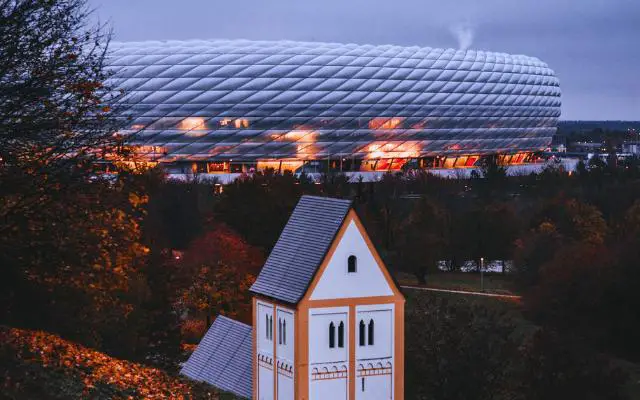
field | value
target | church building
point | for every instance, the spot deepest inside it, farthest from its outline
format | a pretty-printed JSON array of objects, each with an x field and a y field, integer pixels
[{"x": 328, "y": 318}]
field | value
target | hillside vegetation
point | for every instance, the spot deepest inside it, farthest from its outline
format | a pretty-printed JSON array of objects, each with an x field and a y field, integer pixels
[{"x": 39, "y": 365}]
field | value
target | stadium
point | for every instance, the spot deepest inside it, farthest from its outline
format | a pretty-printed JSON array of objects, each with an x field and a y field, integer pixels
[{"x": 237, "y": 106}]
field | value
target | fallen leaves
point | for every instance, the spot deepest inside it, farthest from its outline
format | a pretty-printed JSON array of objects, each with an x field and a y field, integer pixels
[{"x": 95, "y": 369}]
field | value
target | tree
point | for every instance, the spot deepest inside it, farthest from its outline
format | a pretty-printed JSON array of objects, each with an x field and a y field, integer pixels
[
  {"x": 259, "y": 206},
  {"x": 533, "y": 249},
  {"x": 72, "y": 267},
  {"x": 213, "y": 277},
  {"x": 488, "y": 231},
  {"x": 574, "y": 219},
  {"x": 382, "y": 209},
  {"x": 423, "y": 239},
  {"x": 54, "y": 121},
  {"x": 70, "y": 247},
  {"x": 216, "y": 289}
]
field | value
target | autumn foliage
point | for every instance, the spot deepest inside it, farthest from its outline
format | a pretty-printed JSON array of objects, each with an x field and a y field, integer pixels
[
  {"x": 216, "y": 272},
  {"x": 37, "y": 364}
]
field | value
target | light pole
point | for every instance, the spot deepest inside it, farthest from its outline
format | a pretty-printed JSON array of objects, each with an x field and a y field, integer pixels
[{"x": 482, "y": 274}]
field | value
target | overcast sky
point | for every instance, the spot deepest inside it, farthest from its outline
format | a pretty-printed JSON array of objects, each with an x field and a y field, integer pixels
[{"x": 593, "y": 45}]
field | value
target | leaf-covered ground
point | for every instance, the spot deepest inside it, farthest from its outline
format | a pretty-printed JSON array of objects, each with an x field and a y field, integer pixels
[{"x": 40, "y": 365}]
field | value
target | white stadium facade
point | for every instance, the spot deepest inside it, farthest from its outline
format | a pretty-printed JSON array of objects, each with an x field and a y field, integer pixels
[{"x": 228, "y": 107}]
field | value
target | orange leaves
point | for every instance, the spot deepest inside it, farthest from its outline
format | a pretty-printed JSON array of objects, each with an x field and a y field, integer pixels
[{"x": 93, "y": 368}]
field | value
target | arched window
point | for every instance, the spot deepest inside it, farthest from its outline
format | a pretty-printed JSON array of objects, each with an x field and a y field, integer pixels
[
  {"x": 352, "y": 264},
  {"x": 362, "y": 333},
  {"x": 371, "y": 333},
  {"x": 266, "y": 326},
  {"x": 279, "y": 331},
  {"x": 332, "y": 335},
  {"x": 284, "y": 331},
  {"x": 341, "y": 334}
]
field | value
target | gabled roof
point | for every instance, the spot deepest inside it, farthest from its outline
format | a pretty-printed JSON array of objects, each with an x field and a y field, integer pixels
[
  {"x": 223, "y": 358},
  {"x": 302, "y": 246}
]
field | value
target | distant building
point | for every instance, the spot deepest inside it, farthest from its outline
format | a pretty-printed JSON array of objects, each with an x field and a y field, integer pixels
[
  {"x": 232, "y": 106},
  {"x": 328, "y": 319},
  {"x": 632, "y": 148}
]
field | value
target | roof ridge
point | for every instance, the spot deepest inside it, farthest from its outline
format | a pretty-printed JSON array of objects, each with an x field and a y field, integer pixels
[
  {"x": 315, "y": 196},
  {"x": 235, "y": 321}
]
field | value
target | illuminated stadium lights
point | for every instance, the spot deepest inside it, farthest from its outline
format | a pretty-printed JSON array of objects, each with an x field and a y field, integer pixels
[
  {"x": 281, "y": 103},
  {"x": 385, "y": 123},
  {"x": 241, "y": 123},
  {"x": 191, "y": 123}
]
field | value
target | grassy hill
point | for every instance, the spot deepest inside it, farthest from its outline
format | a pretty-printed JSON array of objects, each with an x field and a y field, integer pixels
[{"x": 40, "y": 365}]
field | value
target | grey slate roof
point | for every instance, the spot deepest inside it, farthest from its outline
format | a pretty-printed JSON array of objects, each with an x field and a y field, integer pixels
[
  {"x": 223, "y": 358},
  {"x": 304, "y": 242}
]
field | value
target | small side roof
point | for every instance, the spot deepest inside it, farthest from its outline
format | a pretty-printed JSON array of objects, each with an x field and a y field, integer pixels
[
  {"x": 302, "y": 246},
  {"x": 223, "y": 358}
]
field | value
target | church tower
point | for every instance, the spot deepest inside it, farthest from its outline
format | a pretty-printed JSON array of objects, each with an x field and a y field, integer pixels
[{"x": 328, "y": 319}]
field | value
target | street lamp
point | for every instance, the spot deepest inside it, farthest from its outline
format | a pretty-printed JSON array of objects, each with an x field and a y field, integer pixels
[{"x": 482, "y": 274}]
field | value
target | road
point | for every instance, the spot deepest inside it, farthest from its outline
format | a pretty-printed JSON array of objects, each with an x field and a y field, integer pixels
[{"x": 464, "y": 292}]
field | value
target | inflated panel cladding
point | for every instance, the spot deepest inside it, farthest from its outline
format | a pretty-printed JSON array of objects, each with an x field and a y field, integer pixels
[{"x": 326, "y": 88}]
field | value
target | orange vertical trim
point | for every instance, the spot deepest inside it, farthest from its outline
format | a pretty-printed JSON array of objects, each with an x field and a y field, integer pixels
[
  {"x": 296, "y": 355},
  {"x": 254, "y": 345},
  {"x": 275, "y": 354},
  {"x": 398, "y": 348},
  {"x": 302, "y": 357},
  {"x": 352, "y": 352}
]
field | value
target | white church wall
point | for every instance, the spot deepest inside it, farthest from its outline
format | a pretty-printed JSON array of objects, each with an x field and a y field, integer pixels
[
  {"x": 374, "y": 362},
  {"x": 265, "y": 357},
  {"x": 336, "y": 282},
  {"x": 329, "y": 388},
  {"x": 285, "y": 338},
  {"x": 265, "y": 382},
  {"x": 382, "y": 316},
  {"x": 320, "y": 320},
  {"x": 264, "y": 312},
  {"x": 328, "y": 367},
  {"x": 285, "y": 346},
  {"x": 285, "y": 387},
  {"x": 375, "y": 384}
]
